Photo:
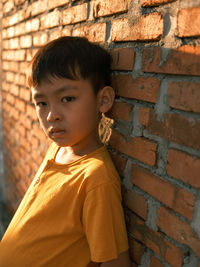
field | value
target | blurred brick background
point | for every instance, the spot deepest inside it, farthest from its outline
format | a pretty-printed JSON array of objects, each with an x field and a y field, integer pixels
[{"x": 155, "y": 141}]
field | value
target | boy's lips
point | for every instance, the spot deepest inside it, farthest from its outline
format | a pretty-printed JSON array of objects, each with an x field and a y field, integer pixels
[{"x": 56, "y": 132}]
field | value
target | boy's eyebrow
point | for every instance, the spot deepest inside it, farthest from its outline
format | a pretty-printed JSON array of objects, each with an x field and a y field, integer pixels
[{"x": 57, "y": 92}]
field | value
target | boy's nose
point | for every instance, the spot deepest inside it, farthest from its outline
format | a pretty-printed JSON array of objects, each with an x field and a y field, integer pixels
[{"x": 53, "y": 116}]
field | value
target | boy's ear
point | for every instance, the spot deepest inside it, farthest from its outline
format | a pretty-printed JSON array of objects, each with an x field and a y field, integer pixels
[{"x": 106, "y": 98}]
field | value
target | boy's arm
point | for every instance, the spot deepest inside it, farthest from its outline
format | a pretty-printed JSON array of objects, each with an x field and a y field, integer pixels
[{"x": 122, "y": 260}]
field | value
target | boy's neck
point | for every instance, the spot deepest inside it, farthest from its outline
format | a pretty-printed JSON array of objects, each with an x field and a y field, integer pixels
[{"x": 69, "y": 154}]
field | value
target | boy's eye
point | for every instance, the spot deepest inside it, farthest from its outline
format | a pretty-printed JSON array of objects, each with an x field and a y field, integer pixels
[
  {"x": 40, "y": 104},
  {"x": 67, "y": 99}
]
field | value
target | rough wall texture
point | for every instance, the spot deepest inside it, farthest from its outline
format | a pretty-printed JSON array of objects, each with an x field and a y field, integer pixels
[{"x": 155, "y": 137}]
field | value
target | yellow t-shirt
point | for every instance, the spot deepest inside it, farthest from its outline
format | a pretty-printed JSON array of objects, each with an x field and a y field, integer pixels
[{"x": 71, "y": 214}]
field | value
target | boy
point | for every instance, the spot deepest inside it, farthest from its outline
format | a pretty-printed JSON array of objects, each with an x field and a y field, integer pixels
[{"x": 71, "y": 214}]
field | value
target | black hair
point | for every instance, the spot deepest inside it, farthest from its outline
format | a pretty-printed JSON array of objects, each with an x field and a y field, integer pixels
[{"x": 73, "y": 58}]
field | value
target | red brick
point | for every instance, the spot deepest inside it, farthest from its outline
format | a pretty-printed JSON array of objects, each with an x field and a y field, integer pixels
[
  {"x": 136, "y": 250},
  {"x": 120, "y": 111},
  {"x": 26, "y": 41},
  {"x": 109, "y": 7},
  {"x": 123, "y": 58},
  {"x": 20, "y": 105},
  {"x": 66, "y": 31},
  {"x": 40, "y": 39},
  {"x": 137, "y": 147},
  {"x": 10, "y": 99},
  {"x": 158, "y": 188},
  {"x": 177, "y": 229},
  {"x": 11, "y": 32},
  {"x": 13, "y": 43},
  {"x": 32, "y": 25},
  {"x": 184, "y": 96},
  {"x": 20, "y": 29},
  {"x": 147, "y": 3},
  {"x": 8, "y": 6},
  {"x": 14, "y": 89},
  {"x": 182, "y": 61},
  {"x": 50, "y": 20},
  {"x": 38, "y": 7},
  {"x": 55, "y": 34},
  {"x": 174, "y": 127},
  {"x": 155, "y": 262},
  {"x": 149, "y": 27},
  {"x": 136, "y": 203},
  {"x": 184, "y": 167},
  {"x": 184, "y": 203},
  {"x": 189, "y": 22},
  {"x": 56, "y": 3},
  {"x": 31, "y": 112},
  {"x": 119, "y": 162},
  {"x": 94, "y": 33},
  {"x": 20, "y": 55},
  {"x": 155, "y": 241},
  {"x": 145, "y": 89},
  {"x": 75, "y": 14},
  {"x": 25, "y": 94}
]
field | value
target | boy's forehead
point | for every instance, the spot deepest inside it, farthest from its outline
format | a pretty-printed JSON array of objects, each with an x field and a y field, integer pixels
[{"x": 59, "y": 85}]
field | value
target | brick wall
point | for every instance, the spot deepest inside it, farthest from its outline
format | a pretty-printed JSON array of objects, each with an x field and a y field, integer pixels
[{"x": 155, "y": 137}]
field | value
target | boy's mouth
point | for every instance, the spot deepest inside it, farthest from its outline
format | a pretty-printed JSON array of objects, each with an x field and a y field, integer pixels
[{"x": 56, "y": 132}]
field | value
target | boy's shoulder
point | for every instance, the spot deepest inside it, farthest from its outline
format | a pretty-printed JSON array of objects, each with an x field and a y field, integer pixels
[{"x": 99, "y": 169}]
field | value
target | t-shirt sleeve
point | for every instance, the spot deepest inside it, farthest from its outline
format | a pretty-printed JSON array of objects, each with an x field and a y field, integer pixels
[{"x": 103, "y": 221}]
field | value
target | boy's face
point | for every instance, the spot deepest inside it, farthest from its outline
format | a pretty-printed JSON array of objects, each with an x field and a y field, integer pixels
[{"x": 68, "y": 111}]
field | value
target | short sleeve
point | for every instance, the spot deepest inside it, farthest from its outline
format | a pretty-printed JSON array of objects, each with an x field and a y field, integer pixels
[{"x": 103, "y": 221}]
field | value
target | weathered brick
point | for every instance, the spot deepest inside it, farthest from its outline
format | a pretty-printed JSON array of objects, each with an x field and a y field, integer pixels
[
  {"x": 189, "y": 22},
  {"x": 184, "y": 167},
  {"x": 177, "y": 229},
  {"x": 55, "y": 34},
  {"x": 123, "y": 58},
  {"x": 75, "y": 14},
  {"x": 66, "y": 31},
  {"x": 147, "y": 3},
  {"x": 14, "y": 89},
  {"x": 25, "y": 94},
  {"x": 56, "y": 3},
  {"x": 136, "y": 250},
  {"x": 50, "y": 20},
  {"x": 137, "y": 147},
  {"x": 174, "y": 127},
  {"x": 26, "y": 41},
  {"x": 182, "y": 61},
  {"x": 94, "y": 33},
  {"x": 10, "y": 32},
  {"x": 109, "y": 7},
  {"x": 20, "y": 29},
  {"x": 13, "y": 43},
  {"x": 141, "y": 88},
  {"x": 38, "y": 7},
  {"x": 149, "y": 27},
  {"x": 31, "y": 112},
  {"x": 20, "y": 105},
  {"x": 120, "y": 110},
  {"x": 184, "y": 96},
  {"x": 155, "y": 241},
  {"x": 40, "y": 39},
  {"x": 119, "y": 162},
  {"x": 19, "y": 2},
  {"x": 137, "y": 203},
  {"x": 8, "y": 6},
  {"x": 155, "y": 186}
]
